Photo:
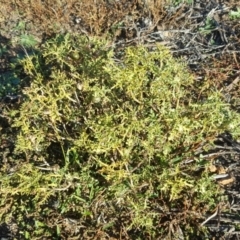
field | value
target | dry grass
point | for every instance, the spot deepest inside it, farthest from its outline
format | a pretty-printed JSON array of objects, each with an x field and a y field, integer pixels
[{"x": 89, "y": 16}]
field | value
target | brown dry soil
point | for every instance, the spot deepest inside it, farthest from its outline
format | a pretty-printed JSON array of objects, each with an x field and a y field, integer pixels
[{"x": 201, "y": 32}]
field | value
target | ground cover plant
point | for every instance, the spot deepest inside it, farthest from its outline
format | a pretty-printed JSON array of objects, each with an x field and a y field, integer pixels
[
  {"x": 104, "y": 141},
  {"x": 100, "y": 140}
]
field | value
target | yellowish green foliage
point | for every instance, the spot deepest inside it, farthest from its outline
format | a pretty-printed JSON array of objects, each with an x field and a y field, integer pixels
[{"x": 122, "y": 128}]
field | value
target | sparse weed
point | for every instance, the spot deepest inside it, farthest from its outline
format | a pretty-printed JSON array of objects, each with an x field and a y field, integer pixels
[
  {"x": 235, "y": 14},
  {"x": 209, "y": 26},
  {"x": 23, "y": 39},
  {"x": 177, "y": 2}
]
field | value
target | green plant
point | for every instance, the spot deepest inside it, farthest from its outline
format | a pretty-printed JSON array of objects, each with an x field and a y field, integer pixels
[
  {"x": 9, "y": 84},
  {"x": 209, "y": 26},
  {"x": 117, "y": 131},
  {"x": 9, "y": 80},
  {"x": 235, "y": 14},
  {"x": 177, "y": 2},
  {"x": 23, "y": 38},
  {"x": 3, "y": 50}
]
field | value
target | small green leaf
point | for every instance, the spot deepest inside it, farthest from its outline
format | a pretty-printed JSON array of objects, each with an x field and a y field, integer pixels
[
  {"x": 58, "y": 230},
  {"x": 28, "y": 40},
  {"x": 235, "y": 14}
]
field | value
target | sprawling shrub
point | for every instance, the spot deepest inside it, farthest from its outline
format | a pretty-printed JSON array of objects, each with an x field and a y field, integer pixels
[{"x": 118, "y": 130}]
